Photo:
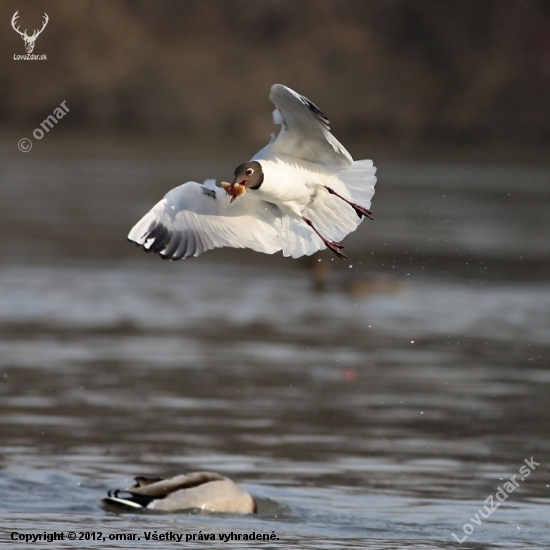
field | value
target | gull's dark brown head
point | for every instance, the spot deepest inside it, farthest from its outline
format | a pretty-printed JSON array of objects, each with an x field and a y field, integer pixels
[{"x": 249, "y": 174}]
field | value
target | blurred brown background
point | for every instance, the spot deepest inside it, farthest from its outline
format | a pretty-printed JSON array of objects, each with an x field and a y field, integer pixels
[{"x": 405, "y": 72}]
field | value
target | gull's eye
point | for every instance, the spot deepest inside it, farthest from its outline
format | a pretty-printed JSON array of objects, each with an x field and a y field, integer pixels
[{"x": 249, "y": 171}]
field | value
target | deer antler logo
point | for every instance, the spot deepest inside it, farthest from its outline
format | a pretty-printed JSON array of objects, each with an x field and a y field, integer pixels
[{"x": 29, "y": 40}]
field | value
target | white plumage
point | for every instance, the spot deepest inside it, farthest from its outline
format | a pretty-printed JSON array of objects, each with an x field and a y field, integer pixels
[{"x": 308, "y": 195}]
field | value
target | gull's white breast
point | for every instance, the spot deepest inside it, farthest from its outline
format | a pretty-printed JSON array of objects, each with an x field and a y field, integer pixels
[{"x": 290, "y": 183}]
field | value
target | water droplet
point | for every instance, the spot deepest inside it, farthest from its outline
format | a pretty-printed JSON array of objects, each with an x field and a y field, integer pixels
[
  {"x": 412, "y": 341},
  {"x": 421, "y": 412},
  {"x": 519, "y": 526}
]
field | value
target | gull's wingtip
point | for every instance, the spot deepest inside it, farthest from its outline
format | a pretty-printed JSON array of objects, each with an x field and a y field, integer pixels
[{"x": 277, "y": 89}]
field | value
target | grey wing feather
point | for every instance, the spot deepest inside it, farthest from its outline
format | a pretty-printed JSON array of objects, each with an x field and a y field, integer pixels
[
  {"x": 162, "y": 487},
  {"x": 305, "y": 131}
]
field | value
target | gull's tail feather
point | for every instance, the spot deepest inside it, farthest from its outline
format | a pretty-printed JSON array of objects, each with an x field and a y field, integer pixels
[{"x": 357, "y": 183}]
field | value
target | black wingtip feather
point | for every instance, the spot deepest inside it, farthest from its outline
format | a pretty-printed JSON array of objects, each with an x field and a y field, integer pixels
[{"x": 316, "y": 111}]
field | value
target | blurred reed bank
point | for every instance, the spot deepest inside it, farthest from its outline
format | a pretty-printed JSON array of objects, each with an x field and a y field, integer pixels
[{"x": 462, "y": 72}]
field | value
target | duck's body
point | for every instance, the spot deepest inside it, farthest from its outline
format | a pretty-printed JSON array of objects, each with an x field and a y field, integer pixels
[
  {"x": 207, "y": 491},
  {"x": 299, "y": 194}
]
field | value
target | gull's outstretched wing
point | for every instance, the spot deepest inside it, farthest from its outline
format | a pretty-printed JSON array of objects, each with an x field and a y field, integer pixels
[
  {"x": 194, "y": 218},
  {"x": 305, "y": 131}
]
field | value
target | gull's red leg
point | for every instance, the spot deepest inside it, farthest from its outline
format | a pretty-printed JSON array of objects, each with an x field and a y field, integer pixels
[
  {"x": 358, "y": 208},
  {"x": 335, "y": 247}
]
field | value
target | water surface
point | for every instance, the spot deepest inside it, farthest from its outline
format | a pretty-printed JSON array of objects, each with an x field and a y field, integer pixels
[{"x": 380, "y": 413}]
